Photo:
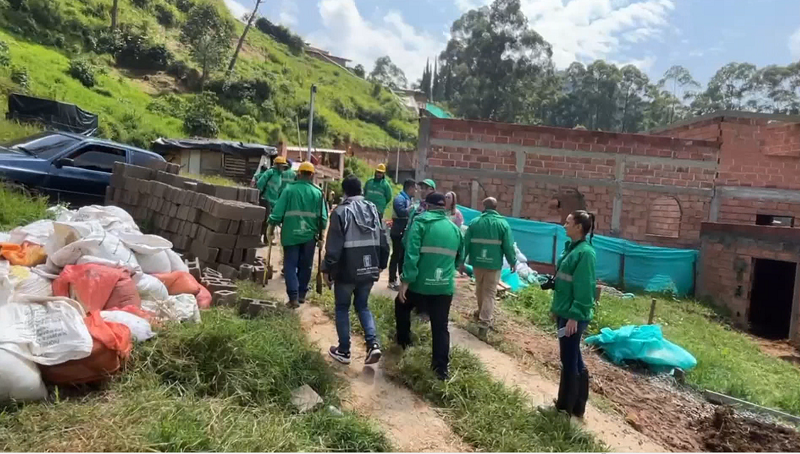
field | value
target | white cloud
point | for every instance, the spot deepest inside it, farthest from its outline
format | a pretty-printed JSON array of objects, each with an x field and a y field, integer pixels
[
  {"x": 794, "y": 44},
  {"x": 288, "y": 13},
  {"x": 237, "y": 9},
  {"x": 346, "y": 33},
  {"x": 586, "y": 30}
]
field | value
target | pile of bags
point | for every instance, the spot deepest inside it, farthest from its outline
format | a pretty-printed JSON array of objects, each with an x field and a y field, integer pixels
[{"x": 76, "y": 293}]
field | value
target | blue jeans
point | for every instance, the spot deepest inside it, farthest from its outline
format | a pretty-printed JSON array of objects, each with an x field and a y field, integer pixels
[
  {"x": 358, "y": 294},
  {"x": 297, "y": 262},
  {"x": 570, "y": 349}
]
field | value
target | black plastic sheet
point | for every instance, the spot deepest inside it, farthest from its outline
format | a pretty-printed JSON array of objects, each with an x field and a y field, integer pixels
[{"x": 53, "y": 114}]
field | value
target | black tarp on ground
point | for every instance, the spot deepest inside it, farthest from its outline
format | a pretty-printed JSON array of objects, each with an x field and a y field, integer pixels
[
  {"x": 242, "y": 149},
  {"x": 57, "y": 115}
]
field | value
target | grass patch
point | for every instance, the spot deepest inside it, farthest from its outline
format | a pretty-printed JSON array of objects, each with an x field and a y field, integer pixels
[
  {"x": 212, "y": 179},
  {"x": 728, "y": 361},
  {"x": 17, "y": 208},
  {"x": 223, "y": 385},
  {"x": 486, "y": 413}
]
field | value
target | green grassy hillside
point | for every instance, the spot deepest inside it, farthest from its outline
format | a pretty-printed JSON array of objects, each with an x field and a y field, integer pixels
[{"x": 145, "y": 83}]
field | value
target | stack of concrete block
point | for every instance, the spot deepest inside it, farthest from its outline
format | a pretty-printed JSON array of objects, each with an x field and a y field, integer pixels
[{"x": 215, "y": 224}]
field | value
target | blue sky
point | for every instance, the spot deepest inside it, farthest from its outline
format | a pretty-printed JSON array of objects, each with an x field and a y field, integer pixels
[{"x": 701, "y": 35}]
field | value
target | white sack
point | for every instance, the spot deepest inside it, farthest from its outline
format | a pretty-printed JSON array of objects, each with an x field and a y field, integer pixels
[
  {"x": 113, "y": 219},
  {"x": 36, "y": 232},
  {"x": 181, "y": 307},
  {"x": 46, "y": 331},
  {"x": 150, "y": 288},
  {"x": 29, "y": 283},
  {"x": 20, "y": 379},
  {"x": 140, "y": 328},
  {"x": 150, "y": 251},
  {"x": 101, "y": 245},
  {"x": 176, "y": 263}
]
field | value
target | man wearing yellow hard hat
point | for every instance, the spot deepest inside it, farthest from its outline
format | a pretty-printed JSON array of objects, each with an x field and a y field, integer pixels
[
  {"x": 270, "y": 183},
  {"x": 378, "y": 190},
  {"x": 302, "y": 213}
]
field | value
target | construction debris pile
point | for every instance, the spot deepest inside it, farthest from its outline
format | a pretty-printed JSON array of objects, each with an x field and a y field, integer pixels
[{"x": 77, "y": 291}]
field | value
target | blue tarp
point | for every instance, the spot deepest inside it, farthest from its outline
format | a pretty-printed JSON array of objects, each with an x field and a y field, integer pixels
[
  {"x": 648, "y": 268},
  {"x": 643, "y": 343}
]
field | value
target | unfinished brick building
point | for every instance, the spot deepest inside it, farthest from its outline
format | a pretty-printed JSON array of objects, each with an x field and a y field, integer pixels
[{"x": 672, "y": 188}]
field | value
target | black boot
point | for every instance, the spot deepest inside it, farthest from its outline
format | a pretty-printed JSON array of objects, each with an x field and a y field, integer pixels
[
  {"x": 583, "y": 394},
  {"x": 567, "y": 392}
]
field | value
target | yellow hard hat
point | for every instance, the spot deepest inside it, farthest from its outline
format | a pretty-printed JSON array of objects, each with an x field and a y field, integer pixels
[
  {"x": 279, "y": 160},
  {"x": 306, "y": 167},
  {"x": 381, "y": 168}
]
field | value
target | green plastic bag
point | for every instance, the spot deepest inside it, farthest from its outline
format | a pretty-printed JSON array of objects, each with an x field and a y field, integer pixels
[{"x": 645, "y": 343}]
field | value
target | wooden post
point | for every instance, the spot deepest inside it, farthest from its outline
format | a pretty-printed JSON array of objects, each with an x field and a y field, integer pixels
[
  {"x": 652, "y": 311},
  {"x": 622, "y": 272},
  {"x": 555, "y": 248}
]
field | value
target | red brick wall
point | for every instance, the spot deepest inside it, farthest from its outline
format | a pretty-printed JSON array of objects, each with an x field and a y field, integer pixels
[
  {"x": 665, "y": 217},
  {"x": 781, "y": 140},
  {"x": 483, "y": 154},
  {"x": 703, "y": 130}
]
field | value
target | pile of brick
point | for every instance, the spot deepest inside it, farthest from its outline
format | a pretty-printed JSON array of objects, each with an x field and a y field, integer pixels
[{"x": 216, "y": 224}]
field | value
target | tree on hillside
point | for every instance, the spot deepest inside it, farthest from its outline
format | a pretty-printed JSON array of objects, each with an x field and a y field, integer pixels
[
  {"x": 388, "y": 74},
  {"x": 250, "y": 20},
  {"x": 359, "y": 71},
  {"x": 281, "y": 34},
  {"x": 208, "y": 36},
  {"x": 427, "y": 79},
  {"x": 492, "y": 58}
]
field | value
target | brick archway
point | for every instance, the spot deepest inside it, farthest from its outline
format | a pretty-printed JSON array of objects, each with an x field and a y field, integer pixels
[{"x": 664, "y": 218}]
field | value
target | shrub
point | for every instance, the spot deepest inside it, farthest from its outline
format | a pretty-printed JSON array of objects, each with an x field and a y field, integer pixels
[
  {"x": 281, "y": 34},
  {"x": 184, "y": 5},
  {"x": 143, "y": 4},
  {"x": 5, "y": 57},
  {"x": 83, "y": 71},
  {"x": 201, "y": 116},
  {"x": 248, "y": 124},
  {"x": 133, "y": 51},
  {"x": 19, "y": 75},
  {"x": 178, "y": 69},
  {"x": 165, "y": 15}
]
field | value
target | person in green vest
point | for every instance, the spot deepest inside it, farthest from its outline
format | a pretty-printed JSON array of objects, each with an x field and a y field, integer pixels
[
  {"x": 487, "y": 240},
  {"x": 289, "y": 175},
  {"x": 573, "y": 307},
  {"x": 270, "y": 182},
  {"x": 378, "y": 190},
  {"x": 302, "y": 213},
  {"x": 434, "y": 250}
]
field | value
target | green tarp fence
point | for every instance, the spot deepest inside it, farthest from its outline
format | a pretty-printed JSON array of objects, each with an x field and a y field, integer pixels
[
  {"x": 619, "y": 262},
  {"x": 436, "y": 111}
]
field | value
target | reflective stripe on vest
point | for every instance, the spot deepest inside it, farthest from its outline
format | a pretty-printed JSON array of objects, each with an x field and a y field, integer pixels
[
  {"x": 309, "y": 214},
  {"x": 564, "y": 276},
  {"x": 437, "y": 250},
  {"x": 485, "y": 241},
  {"x": 362, "y": 243}
]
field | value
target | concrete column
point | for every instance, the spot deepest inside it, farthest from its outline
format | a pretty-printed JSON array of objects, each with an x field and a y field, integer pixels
[
  {"x": 616, "y": 207},
  {"x": 474, "y": 195},
  {"x": 516, "y": 206},
  {"x": 422, "y": 148},
  {"x": 713, "y": 211}
]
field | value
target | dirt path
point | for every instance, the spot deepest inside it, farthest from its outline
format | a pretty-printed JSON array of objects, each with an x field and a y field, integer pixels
[
  {"x": 610, "y": 429},
  {"x": 411, "y": 424}
]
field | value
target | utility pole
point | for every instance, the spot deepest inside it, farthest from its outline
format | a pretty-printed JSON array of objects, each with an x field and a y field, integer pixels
[
  {"x": 397, "y": 167},
  {"x": 311, "y": 120},
  {"x": 250, "y": 20}
]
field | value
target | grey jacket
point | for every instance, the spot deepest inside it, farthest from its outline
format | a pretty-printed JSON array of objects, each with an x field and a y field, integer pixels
[{"x": 356, "y": 249}]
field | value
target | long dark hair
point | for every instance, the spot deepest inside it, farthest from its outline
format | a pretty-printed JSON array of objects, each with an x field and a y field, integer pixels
[{"x": 586, "y": 221}]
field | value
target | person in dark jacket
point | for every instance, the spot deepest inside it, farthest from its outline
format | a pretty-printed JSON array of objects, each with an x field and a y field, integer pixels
[
  {"x": 356, "y": 252},
  {"x": 401, "y": 210},
  {"x": 572, "y": 308}
]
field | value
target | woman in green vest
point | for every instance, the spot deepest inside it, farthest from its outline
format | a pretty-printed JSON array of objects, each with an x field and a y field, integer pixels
[{"x": 573, "y": 307}]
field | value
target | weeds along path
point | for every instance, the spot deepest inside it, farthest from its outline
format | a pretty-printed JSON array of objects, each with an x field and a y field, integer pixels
[{"x": 411, "y": 424}]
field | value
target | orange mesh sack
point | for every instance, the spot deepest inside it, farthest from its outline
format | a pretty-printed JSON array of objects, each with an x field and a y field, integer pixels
[
  {"x": 25, "y": 254},
  {"x": 111, "y": 348},
  {"x": 97, "y": 287}
]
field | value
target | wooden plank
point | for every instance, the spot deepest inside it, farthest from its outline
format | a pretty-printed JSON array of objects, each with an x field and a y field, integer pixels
[{"x": 722, "y": 399}]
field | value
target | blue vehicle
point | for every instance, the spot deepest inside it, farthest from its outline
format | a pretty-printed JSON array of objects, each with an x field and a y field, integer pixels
[{"x": 67, "y": 167}]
